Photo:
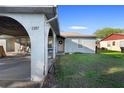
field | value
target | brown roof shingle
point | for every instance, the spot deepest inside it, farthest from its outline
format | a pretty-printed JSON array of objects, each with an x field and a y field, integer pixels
[{"x": 76, "y": 35}]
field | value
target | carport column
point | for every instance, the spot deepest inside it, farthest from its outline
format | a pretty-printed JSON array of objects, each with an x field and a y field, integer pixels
[{"x": 54, "y": 45}]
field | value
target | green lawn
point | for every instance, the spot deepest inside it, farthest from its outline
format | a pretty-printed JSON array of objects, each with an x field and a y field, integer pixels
[{"x": 105, "y": 69}]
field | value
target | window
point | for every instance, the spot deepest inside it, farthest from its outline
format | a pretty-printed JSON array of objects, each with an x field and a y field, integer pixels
[
  {"x": 80, "y": 43},
  {"x": 10, "y": 45},
  {"x": 108, "y": 44},
  {"x": 121, "y": 43},
  {"x": 113, "y": 43}
]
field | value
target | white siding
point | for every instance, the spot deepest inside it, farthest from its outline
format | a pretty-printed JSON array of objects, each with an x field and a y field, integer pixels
[{"x": 88, "y": 45}]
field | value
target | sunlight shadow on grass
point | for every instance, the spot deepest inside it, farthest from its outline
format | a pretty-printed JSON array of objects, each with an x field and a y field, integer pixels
[{"x": 114, "y": 70}]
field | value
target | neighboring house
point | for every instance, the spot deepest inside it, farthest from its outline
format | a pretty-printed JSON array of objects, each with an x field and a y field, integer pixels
[
  {"x": 112, "y": 42},
  {"x": 71, "y": 42},
  {"x": 14, "y": 45}
]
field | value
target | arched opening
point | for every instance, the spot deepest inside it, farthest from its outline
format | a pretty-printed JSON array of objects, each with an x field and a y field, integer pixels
[
  {"x": 15, "y": 50},
  {"x": 50, "y": 47}
]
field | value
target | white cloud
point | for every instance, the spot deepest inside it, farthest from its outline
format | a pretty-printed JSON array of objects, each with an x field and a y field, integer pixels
[{"x": 78, "y": 27}]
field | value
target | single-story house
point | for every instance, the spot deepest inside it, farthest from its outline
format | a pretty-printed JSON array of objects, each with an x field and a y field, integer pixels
[
  {"x": 71, "y": 42},
  {"x": 112, "y": 42},
  {"x": 15, "y": 45},
  {"x": 37, "y": 28},
  {"x": 30, "y": 27}
]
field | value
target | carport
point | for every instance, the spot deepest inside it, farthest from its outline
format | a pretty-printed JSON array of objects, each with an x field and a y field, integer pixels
[
  {"x": 34, "y": 22},
  {"x": 16, "y": 62}
]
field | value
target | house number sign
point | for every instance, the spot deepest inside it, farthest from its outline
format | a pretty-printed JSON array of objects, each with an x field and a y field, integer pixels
[{"x": 35, "y": 28}]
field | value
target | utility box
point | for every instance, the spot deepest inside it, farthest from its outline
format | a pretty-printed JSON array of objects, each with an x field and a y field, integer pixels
[{"x": 122, "y": 49}]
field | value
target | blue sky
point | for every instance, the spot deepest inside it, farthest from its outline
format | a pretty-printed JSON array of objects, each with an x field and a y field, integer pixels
[{"x": 87, "y": 19}]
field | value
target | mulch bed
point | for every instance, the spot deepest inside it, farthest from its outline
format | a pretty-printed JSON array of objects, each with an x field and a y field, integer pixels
[{"x": 50, "y": 81}]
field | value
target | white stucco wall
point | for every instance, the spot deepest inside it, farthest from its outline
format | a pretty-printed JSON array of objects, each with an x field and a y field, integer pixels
[
  {"x": 71, "y": 45},
  {"x": 104, "y": 44},
  {"x": 37, "y": 37}
]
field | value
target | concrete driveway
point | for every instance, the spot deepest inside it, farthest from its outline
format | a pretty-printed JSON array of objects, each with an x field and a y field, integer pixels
[{"x": 15, "y": 68}]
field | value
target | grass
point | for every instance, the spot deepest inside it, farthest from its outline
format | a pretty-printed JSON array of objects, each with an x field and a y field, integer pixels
[
  {"x": 105, "y": 69},
  {"x": 114, "y": 54}
]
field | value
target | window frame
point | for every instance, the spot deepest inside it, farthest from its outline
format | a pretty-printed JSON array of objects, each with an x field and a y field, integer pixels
[{"x": 113, "y": 43}]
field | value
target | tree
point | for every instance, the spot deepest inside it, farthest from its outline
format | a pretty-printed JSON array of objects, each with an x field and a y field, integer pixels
[{"x": 101, "y": 33}]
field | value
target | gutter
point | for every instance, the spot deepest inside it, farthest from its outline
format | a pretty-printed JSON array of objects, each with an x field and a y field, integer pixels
[{"x": 53, "y": 18}]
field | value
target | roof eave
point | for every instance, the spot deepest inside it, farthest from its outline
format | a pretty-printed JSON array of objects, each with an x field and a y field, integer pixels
[{"x": 49, "y": 11}]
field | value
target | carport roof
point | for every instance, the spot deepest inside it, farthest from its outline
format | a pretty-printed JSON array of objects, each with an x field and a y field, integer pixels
[{"x": 49, "y": 11}]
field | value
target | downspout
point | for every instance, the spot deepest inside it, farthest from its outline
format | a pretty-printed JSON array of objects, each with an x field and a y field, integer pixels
[{"x": 48, "y": 21}]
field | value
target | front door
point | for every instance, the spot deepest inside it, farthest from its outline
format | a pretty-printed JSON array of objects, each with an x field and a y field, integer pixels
[
  {"x": 10, "y": 45},
  {"x": 61, "y": 46}
]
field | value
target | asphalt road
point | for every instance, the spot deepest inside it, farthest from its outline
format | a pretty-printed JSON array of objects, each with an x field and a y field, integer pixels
[{"x": 15, "y": 68}]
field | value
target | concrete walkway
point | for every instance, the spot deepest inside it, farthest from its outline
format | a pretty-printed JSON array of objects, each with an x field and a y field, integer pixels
[
  {"x": 15, "y": 72},
  {"x": 14, "y": 69}
]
